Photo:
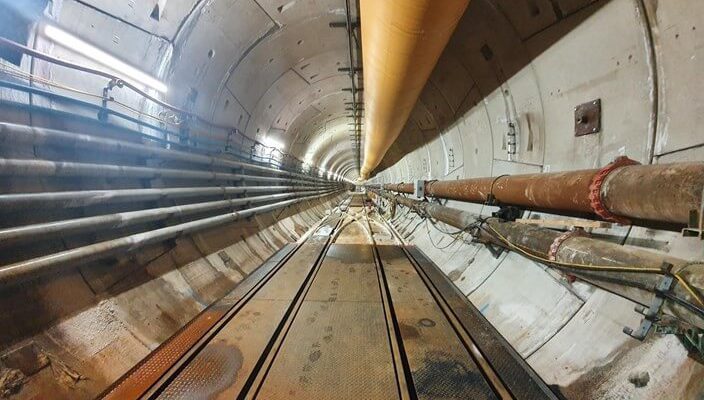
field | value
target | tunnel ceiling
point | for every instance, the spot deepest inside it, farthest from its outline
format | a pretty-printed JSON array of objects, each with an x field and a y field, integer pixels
[{"x": 270, "y": 68}]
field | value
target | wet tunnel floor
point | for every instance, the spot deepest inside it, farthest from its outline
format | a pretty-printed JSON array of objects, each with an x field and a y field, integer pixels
[{"x": 326, "y": 321}]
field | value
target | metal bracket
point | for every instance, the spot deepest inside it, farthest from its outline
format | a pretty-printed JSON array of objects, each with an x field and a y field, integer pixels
[
  {"x": 103, "y": 112},
  {"x": 508, "y": 213},
  {"x": 695, "y": 228},
  {"x": 419, "y": 188},
  {"x": 650, "y": 315},
  {"x": 587, "y": 118}
]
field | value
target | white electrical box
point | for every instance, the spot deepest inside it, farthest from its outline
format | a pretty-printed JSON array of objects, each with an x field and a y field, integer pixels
[{"x": 419, "y": 188}]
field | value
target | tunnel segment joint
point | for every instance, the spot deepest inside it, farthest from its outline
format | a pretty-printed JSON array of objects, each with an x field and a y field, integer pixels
[{"x": 595, "y": 190}]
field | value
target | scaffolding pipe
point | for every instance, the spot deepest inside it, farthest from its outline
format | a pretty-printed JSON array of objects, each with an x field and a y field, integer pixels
[
  {"x": 40, "y": 231},
  {"x": 83, "y": 198},
  {"x": 627, "y": 271},
  {"x": 624, "y": 194},
  {"x": 23, "y": 270},
  {"x": 16, "y": 167},
  {"x": 13, "y": 134}
]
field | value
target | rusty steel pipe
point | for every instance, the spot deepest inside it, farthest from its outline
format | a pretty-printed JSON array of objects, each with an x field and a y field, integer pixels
[
  {"x": 21, "y": 234},
  {"x": 663, "y": 192},
  {"x": 667, "y": 192},
  {"x": 22, "y": 134},
  {"x": 635, "y": 286},
  {"x": 22, "y": 270}
]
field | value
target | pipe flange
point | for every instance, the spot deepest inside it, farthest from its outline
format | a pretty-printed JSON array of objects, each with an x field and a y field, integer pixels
[
  {"x": 595, "y": 186},
  {"x": 555, "y": 246}
]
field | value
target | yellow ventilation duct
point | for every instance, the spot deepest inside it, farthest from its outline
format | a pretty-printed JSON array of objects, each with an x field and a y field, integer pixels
[{"x": 402, "y": 41}]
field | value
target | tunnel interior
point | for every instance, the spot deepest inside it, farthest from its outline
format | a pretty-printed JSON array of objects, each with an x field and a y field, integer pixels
[{"x": 162, "y": 160}]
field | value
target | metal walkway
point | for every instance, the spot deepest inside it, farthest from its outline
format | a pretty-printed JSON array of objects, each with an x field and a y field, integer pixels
[{"x": 323, "y": 320}]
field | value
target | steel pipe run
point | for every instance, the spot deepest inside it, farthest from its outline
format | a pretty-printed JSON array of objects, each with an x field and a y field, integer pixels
[
  {"x": 17, "y": 167},
  {"x": 13, "y": 134},
  {"x": 402, "y": 42},
  {"x": 628, "y": 194},
  {"x": 20, "y": 271},
  {"x": 83, "y": 198},
  {"x": 629, "y": 272},
  {"x": 35, "y": 232}
]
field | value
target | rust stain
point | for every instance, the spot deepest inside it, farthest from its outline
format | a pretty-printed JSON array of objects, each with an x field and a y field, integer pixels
[
  {"x": 135, "y": 383},
  {"x": 214, "y": 370}
]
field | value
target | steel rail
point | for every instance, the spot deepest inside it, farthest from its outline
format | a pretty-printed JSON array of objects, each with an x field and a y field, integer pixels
[
  {"x": 22, "y": 234},
  {"x": 165, "y": 361},
  {"x": 22, "y": 270},
  {"x": 478, "y": 357}
]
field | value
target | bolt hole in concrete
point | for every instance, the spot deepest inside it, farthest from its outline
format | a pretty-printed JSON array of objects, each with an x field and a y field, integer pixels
[
  {"x": 639, "y": 378},
  {"x": 211, "y": 53},
  {"x": 285, "y": 7}
]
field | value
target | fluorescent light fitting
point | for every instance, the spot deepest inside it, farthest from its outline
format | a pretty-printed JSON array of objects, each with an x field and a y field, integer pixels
[
  {"x": 70, "y": 41},
  {"x": 271, "y": 142}
]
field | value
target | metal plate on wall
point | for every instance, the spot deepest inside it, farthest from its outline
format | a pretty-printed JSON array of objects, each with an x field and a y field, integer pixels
[{"x": 587, "y": 118}]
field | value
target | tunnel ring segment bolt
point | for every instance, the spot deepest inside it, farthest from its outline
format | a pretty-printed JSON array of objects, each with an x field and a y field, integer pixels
[{"x": 595, "y": 198}]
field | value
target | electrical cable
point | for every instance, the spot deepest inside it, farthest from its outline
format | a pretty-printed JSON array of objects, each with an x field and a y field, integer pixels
[{"x": 590, "y": 267}]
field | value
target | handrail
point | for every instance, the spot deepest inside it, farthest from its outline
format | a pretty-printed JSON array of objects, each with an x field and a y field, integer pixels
[{"x": 116, "y": 81}]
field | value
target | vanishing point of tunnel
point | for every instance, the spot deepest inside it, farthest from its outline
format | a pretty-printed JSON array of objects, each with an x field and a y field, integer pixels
[{"x": 352, "y": 199}]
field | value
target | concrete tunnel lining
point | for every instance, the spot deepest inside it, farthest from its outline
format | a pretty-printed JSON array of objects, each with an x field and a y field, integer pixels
[{"x": 271, "y": 70}]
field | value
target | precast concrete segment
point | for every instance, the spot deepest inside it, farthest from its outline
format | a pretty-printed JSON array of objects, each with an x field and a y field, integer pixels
[{"x": 661, "y": 192}]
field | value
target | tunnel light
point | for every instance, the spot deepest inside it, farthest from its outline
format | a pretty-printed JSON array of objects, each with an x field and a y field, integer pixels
[
  {"x": 271, "y": 142},
  {"x": 86, "y": 49}
]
